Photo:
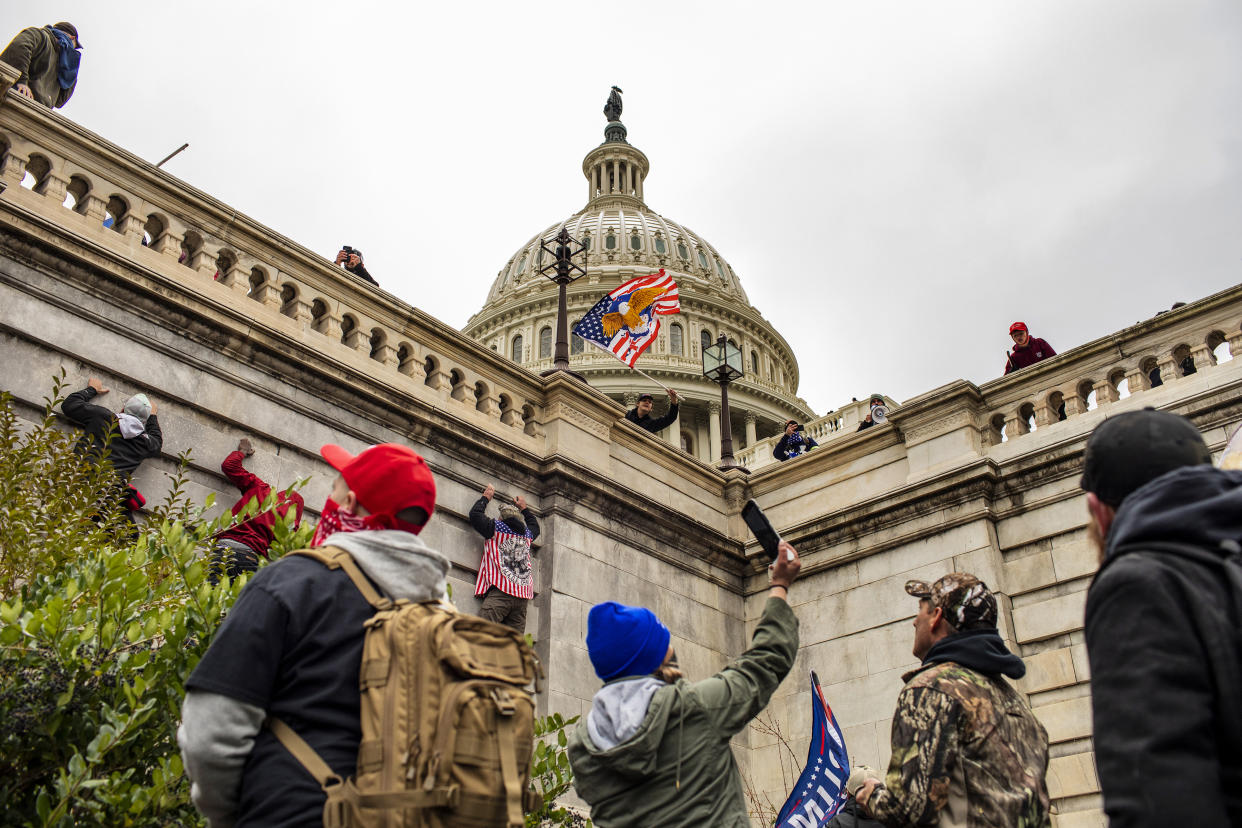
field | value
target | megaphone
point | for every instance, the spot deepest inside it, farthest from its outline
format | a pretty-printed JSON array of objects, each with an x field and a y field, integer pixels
[{"x": 879, "y": 414}]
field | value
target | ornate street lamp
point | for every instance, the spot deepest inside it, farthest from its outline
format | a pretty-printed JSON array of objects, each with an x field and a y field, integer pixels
[
  {"x": 722, "y": 363},
  {"x": 563, "y": 248}
]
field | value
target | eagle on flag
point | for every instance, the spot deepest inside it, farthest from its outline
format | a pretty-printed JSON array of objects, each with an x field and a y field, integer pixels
[{"x": 625, "y": 322}]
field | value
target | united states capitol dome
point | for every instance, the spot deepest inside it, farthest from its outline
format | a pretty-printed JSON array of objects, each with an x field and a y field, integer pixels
[{"x": 626, "y": 239}]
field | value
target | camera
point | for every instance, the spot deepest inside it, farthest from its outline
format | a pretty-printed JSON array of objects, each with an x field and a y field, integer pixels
[{"x": 348, "y": 249}]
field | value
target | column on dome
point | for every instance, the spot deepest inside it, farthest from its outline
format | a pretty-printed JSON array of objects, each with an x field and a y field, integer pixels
[
  {"x": 673, "y": 432},
  {"x": 713, "y": 430},
  {"x": 704, "y": 451},
  {"x": 750, "y": 429}
]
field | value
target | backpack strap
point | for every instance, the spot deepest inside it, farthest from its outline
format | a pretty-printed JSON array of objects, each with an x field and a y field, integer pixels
[
  {"x": 333, "y": 557},
  {"x": 505, "y": 726},
  {"x": 304, "y": 753}
]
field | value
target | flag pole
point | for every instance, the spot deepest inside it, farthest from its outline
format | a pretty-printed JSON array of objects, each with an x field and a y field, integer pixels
[{"x": 632, "y": 368}]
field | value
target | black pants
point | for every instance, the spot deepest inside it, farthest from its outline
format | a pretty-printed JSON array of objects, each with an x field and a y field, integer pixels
[
  {"x": 502, "y": 608},
  {"x": 231, "y": 558}
]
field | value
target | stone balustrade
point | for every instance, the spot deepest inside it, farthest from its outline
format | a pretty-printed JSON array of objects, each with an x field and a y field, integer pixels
[
  {"x": 55, "y": 171},
  {"x": 1156, "y": 352},
  {"x": 832, "y": 426}
]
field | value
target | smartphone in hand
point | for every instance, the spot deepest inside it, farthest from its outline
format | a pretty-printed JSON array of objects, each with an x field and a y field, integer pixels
[{"x": 762, "y": 529}]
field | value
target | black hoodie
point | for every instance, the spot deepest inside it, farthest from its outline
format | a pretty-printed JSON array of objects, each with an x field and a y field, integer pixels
[{"x": 1164, "y": 639}]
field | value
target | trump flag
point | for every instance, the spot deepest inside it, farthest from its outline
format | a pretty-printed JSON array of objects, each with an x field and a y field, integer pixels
[
  {"x": 626, "y": 321},
  {"x": 820, "y": 791}
]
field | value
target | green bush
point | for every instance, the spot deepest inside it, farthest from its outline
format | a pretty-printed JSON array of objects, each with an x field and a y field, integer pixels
[
  {"x": 100, "y": 625},
  {"x": 552, "y": 774}
]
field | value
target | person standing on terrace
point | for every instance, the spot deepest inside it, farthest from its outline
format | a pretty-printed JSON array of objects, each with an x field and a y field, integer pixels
[
  {"x": 47, "y": 59},
  {"x": 1027, "y": 350}
]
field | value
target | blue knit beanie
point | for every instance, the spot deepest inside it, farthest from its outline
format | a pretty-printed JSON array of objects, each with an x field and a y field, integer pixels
[{"x": 625, "y": 641}]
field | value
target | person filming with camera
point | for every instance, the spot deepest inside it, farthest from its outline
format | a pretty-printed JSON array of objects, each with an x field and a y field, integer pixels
[
  {"x": 351, "y": 259},
  {"x": 793, "y": 443}
]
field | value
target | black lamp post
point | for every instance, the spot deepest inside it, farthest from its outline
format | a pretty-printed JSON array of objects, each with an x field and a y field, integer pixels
[
  {"x": 562, "y": 248},
  {"x": 722, "y": 363}
]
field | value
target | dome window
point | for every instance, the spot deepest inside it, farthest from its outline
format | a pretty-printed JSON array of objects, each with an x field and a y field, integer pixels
[
  {"x": 719, "y": 269},
  {"x": 521, "y": 268},
  {"x": 545, "y": 343},
  {"x": 661, "y": 247},
  {"x": 681, "y": 251},
  {"x": 754, "y": 363},
  {"x": 635, "y": 242},
  {"x": 674, "y": 339},
  {"x": 610, "y": 242},
  {"x": 516, "y": 353},
  {"x": 705, "y": 339},
  {"x": 703, "y": 260},
  {"x": 576, "y": 344}
]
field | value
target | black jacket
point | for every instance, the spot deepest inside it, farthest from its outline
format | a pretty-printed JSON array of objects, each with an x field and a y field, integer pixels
[
  {"x": 126, "y": 454},
  {"x": 782, "y": 450},
  {"x": 653, "y": 424},
  {"x": 362, "y": 273},
  {"x": 486, "y": 527},
  {"x": 1164, "y": 638},
  {"x": 849, "y": 817}
]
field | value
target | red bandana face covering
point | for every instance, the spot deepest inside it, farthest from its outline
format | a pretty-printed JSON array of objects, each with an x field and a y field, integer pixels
[{"x": 334, "y": 519}]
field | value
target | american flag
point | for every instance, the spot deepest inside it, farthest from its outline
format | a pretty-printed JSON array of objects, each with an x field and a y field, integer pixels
[
  {"x": 820, "y": 791},
  {"x": 626, "y": 321},
  {"x": 506, "y": 563}
]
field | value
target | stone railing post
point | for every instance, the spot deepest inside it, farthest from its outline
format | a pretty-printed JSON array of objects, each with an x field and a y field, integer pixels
[
  {"x": 1045, "y": 415},
  {"x": 386, "y": 355},
  {"x": 1168, "y": 367},
  {"x": 489, "y": 405},
  {"x": 131, "y": 227},
  {"x": 205, "y": 264},
  {"x": 1015, "y": 425},
  {"x": 329, "y": 326},
  {"x": 1203, "y": 356},
  {"x": 1105, "y": 393},
  {"x": 54, "y": 188},
  {"x": 512, "y": 417},
  {"x": 1235, "y": 345},
  {"x": 1074, "y": 404},
  {"x": 358, "y": 340},
  {"x": 168, "y": 244},
  {"x": 94, "y": 208},
  {"x": 463, "y": 393},
  {"x": 236, "y": 279},
  {"x": 439, "y": 380},
  {"x": 13, "y": 169},
  {"x": 1137, "y": 380}
]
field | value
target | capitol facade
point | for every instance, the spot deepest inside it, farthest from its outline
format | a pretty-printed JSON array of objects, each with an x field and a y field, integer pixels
[{"x": 626, "y": 239}]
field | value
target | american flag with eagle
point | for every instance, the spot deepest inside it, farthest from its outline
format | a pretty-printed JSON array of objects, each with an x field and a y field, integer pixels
[{"x": 626, "y": 321}]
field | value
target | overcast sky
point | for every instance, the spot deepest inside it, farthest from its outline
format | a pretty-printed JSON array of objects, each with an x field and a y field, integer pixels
[{"x": 894, "y": 183}]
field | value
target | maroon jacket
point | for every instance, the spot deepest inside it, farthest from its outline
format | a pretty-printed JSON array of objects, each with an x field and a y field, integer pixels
[
  {"x": 257, "y": 531},
  {"x": 1036, "y": 350}
]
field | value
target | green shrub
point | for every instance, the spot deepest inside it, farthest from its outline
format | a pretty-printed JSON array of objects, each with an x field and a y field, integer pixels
[
  {"x": 100, "y": 625},
  {"x": 551, "y": 772}
]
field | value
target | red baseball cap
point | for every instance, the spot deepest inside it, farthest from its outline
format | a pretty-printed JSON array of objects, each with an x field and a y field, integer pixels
[
  {"x": 1018, "y": 326},
  {"x": 385, "y": 478}
]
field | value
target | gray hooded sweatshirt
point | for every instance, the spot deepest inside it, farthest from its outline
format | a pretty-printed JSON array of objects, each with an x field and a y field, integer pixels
[{"x": 217, "y": 732}]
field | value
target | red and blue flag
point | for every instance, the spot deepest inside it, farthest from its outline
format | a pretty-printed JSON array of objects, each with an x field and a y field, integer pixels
[
  {"x": 626, "y": 321},
  {"x": 820, "y": 791}
]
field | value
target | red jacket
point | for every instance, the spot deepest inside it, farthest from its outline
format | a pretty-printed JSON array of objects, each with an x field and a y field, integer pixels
[
  {"x": 257, "y": 531},
  {"x": 1036, "y": 350}
]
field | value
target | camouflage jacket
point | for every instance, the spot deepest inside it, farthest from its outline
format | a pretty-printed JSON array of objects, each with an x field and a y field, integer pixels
[{"x": 966, "y": 751}]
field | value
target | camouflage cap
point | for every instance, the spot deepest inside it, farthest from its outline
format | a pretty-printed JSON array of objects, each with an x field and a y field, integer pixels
[{"x": 967, "y": 602}]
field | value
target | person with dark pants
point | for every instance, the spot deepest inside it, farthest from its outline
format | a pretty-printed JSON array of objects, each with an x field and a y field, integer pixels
[
  {"x": 506, "y": 578},
  {"x": 47, "y": 59},
  {"x": 1163, "y": 623},
  {"x": 238, "y": 548},
  {"x": 640, "y": 414},
  {"x": 127, "y": 438}
]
